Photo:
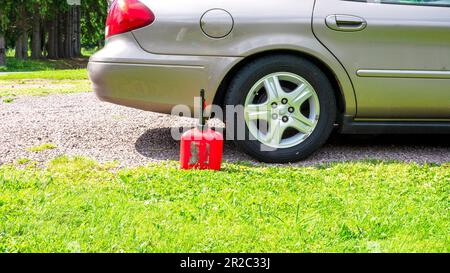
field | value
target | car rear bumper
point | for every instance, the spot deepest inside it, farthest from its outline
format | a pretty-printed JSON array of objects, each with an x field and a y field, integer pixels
[{"x": 123, "y": 73}]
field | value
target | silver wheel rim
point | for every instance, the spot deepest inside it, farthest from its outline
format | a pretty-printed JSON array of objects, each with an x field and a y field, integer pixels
[{"x": 282, "y": 110}]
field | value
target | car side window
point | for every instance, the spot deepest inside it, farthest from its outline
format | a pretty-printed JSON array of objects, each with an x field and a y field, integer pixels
[{"x": 442, "y": 3}]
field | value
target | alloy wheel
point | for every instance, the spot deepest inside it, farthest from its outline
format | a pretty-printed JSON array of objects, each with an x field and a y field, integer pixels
[{"x": 282, "y": 110}]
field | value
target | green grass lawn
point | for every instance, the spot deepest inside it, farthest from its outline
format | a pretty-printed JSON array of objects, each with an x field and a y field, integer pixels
[
  {"x": 14, "y": 65},
  {"x": 44, "y": 82},
  {"x": 43, "y": 77},
  {"x": 78, "y": 205},
  {"x": 68, "y": 74}
]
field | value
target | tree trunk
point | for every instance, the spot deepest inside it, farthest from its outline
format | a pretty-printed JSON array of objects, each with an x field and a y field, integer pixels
[
  {"x": 68, "y": 39},
  {"x": 44, "y": 34},
  {"x": 52, "y": 44},
  {"x": 61, "y": 35},
  {"x": 36, "y": 49},
  {"x": 25, "y": 45},
  {"x": 77, "y": 32},
  {"x": 2, "y": 50},
  {"x": 21, "y": 45}
]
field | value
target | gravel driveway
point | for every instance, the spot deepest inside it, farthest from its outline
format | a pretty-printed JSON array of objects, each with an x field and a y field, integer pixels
[{"x": 79, "y": 124}]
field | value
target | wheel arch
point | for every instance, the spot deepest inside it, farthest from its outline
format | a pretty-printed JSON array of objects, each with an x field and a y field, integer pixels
[{"x": 331, "y": 75}]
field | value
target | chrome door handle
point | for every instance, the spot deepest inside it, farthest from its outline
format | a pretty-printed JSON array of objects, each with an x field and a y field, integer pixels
[{"x": 346, "y": 23}]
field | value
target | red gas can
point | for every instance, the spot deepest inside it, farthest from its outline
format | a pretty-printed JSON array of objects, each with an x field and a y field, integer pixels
[{"x": 201, "y": 147}]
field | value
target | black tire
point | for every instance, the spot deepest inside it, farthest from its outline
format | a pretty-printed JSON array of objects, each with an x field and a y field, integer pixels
[{"x": 259, "y": 68}]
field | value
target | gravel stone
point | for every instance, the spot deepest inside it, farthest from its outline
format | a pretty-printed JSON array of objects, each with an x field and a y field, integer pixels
[{"x": 80, "y": 124}]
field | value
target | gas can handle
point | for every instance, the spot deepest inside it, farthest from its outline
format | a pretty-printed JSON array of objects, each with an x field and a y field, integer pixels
[{"x": 203, "y": 107}]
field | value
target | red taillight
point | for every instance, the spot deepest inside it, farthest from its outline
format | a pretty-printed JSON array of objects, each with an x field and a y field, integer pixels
[{"x": 127, "y": 15}]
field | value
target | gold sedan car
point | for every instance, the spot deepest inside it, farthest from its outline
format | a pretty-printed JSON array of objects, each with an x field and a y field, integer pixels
[{"x": 297, "y": 68}]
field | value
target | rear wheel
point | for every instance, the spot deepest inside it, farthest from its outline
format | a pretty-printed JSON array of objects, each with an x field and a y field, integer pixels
[{"x": 289, "y": 108}]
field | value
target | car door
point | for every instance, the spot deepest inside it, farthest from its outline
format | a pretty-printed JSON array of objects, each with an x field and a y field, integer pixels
[{"x": 397, "y": 53}]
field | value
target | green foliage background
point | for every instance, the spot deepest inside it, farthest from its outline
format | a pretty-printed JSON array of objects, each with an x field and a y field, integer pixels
[{"x": 93, "y": 18}]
